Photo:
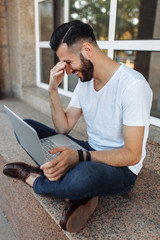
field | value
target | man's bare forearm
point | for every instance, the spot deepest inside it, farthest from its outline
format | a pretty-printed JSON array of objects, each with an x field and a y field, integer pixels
[
  {"x": 58, "y": 114},
  {"x": 63, "y": 121},
  {"x": 129, "y": 155},
  {"x": 116, "y": 157}
]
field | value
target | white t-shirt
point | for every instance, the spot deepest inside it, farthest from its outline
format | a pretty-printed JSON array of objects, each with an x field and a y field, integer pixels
[{"x": 125, "y": 99}]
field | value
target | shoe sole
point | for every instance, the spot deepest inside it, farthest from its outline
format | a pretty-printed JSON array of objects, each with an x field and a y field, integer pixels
[{"x": 78, "y": 219}]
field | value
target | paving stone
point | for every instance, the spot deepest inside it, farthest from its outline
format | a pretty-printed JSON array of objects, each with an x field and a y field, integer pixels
[{"x": 6, "y": 232}]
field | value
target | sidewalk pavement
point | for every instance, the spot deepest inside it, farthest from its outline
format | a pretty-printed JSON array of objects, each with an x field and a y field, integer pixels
[{"x": 6, "y": 232}]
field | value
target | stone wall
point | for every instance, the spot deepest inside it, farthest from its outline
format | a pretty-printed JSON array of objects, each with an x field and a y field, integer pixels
[
  {"x": 17, "y": 52},
  {"x": 5, "y": 86}
]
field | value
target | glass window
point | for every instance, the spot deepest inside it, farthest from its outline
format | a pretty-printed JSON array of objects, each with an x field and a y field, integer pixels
[
  {"x": 146, "y": 63},
  {"x": 105, "y": 51},
  {"x": 94, "y": 12},
  {"x": 45, "y": 20},
  {"x": 125, "y": 57},
  {"x": 47, "y": 63},
  {"x": 72, "y": 82},
  {"x": 50, "y": 17},
  {"x": 137, "y": 19}
]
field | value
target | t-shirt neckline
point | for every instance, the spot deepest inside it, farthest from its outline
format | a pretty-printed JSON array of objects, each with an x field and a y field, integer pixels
[{"x": 109, "y": 81}]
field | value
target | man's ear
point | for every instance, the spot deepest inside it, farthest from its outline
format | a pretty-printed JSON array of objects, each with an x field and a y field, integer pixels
[{"x": 87, "y": 50}]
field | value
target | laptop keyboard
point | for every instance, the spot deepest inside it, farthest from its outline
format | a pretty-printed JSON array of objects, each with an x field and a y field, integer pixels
[{"x": 47, "y": 145}]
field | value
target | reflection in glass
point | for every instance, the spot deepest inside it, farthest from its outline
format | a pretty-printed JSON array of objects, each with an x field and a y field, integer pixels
[
  {"x": 125, "y": 57},
  {"x": 45, "y": 20},
  {"x": 72, "y": 82},
  {"x": 47, "y": 63},
  {"x": 146, "y": 63},
  {"x": 137, "y": 19},
  {"x": 50, "y": 17},
  {"x": 95, "y": 12},
  {"x": 105, "y": 51}
]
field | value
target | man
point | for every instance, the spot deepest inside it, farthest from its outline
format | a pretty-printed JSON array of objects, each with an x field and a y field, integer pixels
[{"x": 115, "y": 101}]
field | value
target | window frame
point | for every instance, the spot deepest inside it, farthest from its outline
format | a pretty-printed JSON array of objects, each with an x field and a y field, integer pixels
[{"x": 110, "y": 45}]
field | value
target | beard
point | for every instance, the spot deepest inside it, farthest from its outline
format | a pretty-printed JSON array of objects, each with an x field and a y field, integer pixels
[{"x": 86, "y": 69}]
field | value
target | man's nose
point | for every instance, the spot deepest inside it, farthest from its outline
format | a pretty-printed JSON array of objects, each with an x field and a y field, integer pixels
[{"x": 68, "y": 70}]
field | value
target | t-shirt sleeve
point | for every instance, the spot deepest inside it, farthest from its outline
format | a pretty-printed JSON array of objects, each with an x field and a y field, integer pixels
[
  {"x": 136, "y": 104},
  {"x": 75, "y": 101}
]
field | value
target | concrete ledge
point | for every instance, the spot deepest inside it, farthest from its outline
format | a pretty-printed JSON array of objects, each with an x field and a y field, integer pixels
[
  {"x": 135, "y": 216},
  {"x": 39, "y": 99}
]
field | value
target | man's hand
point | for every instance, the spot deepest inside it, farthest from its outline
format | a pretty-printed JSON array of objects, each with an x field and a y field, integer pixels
[
  {"x": 56, "y": 76},
  {"x": 57, "y": 167}
]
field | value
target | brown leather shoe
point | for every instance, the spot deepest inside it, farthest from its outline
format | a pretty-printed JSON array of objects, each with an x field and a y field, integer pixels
[
  {"x": 76, "y": 213},
  {"x": 20, "y": 170}
]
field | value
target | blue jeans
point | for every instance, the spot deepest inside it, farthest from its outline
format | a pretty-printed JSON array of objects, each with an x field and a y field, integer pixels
[{"x": 87, "y": 179}]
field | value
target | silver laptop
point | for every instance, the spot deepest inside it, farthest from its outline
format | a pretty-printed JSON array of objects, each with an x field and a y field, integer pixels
[{"x": 35, "y": 147}]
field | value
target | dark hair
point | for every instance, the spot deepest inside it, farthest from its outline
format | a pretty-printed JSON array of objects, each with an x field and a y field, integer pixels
[{"x": 70, "y": 33}]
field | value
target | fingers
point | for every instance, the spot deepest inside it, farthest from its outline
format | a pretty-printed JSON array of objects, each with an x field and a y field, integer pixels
[
  {"x": 55, "y": 175},
  {"x": 56, "y": 168},
  {"x": 55, "y": 161},
  {"x": 50, "y": 164},
  {"x": 56, "y": 75},
  {"x": 59, "y": 67},
  {"x": 57, "y": 149}
]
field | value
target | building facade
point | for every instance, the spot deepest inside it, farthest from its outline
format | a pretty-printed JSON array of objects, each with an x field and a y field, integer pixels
[{"x": 127, "y": 31}]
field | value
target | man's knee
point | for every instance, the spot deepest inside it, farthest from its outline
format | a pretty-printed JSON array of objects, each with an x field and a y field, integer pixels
[{"x": 82, "y": 180}]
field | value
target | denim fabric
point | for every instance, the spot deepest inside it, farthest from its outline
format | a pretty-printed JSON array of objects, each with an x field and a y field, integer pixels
[{"x": 86, "y": 179}]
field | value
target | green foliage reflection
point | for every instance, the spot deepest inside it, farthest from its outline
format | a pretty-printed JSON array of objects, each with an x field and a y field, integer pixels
[{"x": 95, "y": 12}]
